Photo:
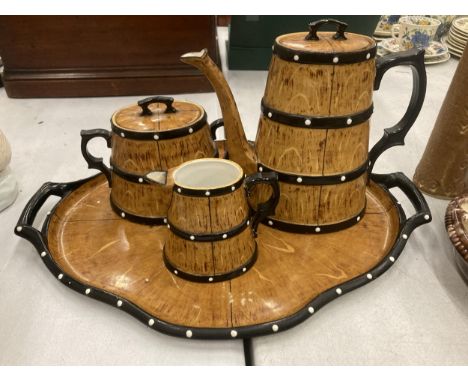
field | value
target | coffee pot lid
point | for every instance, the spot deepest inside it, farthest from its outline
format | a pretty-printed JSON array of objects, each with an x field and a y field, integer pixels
[
  {"x": 315, "y": 47},
  {"x": 158, "y": 114}
]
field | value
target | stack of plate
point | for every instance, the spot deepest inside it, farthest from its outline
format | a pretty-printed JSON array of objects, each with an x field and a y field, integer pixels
[{"x": 458, "y": 36}]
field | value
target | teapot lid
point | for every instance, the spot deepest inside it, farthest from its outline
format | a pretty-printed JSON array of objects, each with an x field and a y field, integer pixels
[
  {"x": 331, "y": 48},
  {"x": 158, "y": 114}
]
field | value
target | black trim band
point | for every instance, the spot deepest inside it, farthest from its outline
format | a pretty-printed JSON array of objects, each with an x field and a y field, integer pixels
[
  {"x": 317, "y": 180},
  {"x": 214, "y": 278},
  {"x": 313, "y": 122},
  {"x": 209, "y": 237},
  {"x": 307, "y": 57},
  {"x": 317, "y": 229},
  {"x": 209, "y": 192},
  {"x": 135, "y": 218},
  {"x": 160, "y": 135}
]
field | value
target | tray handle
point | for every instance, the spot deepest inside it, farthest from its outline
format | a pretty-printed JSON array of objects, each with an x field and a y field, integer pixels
[
  {"x": 24, "y": 227},
  {"x": 422, "y": 213},
  {"x": 395, "y": 135}
]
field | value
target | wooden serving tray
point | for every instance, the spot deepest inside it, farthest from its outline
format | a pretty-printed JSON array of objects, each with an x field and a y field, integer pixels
[{"x": 90, "y": 249}]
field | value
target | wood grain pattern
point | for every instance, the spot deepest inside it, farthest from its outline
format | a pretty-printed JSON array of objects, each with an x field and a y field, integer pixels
[
  {"x": 204, "y": 215},
  {"x": 318, "y": 91},
  {"x": 148, "y": 200},
  {"x": 124, "y": 258}
]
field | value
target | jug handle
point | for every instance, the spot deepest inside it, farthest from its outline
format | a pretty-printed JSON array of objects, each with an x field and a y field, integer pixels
[
  {"x": 94, "y": 162},
  {"x": 214, "y": 126},
  {"x": 395, "y": 135},
  {"x": 267, "y": 208}
]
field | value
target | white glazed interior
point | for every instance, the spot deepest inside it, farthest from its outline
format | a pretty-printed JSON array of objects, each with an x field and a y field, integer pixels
[{"x": 207, "y": 174}]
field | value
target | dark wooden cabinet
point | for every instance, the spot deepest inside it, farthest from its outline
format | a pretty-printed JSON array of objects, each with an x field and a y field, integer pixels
[{"x": 72, "y": 56}]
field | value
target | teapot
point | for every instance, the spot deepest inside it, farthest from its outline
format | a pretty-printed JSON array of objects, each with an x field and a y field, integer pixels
[{"x": 314, "y": 124}]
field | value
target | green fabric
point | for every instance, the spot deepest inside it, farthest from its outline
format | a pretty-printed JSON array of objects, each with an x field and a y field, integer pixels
[{"x": 251, "y": 37}]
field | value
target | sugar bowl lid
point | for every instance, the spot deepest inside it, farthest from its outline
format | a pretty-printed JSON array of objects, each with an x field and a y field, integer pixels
[
  {"x": 158, "y": 117},
  {"x": 332, "y": 48}
]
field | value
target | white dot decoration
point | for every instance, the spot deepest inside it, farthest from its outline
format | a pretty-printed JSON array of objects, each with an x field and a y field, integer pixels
[
  {"x": 188, "y": 334},
  {"x": 270, "y": 115},
  {"x": 296, "y": 57},
  {"x": 349, "y": 121},
  {"x": 19, "y": 229},
  {"x": 270, "y": 222},
  {"x": 369, "y": 276},
  {"x": 358, "y": 218},
  {"x": 311, "y": 310},
  {"x": 140, "y": 180},
  {"x": 317, "y": 229},
  {"x": 49, "y": 212},
  {"x": 299, "y": 180},
  {"x": 165, "y": 221},
  {"x": 275, "y": 328},
  {"x": 43, "y": 254},
  {"x": 119, "y": 303},
  {"x": 308, "y": 122},
  {"x": 272, "y": 47},
  {"x": 169, "y": 226},
  {"x": 122, "y": 214},
  {"x": 335, "y": 60},
  {"x": 367, "y": 56},
  {"x": 88, "y": 291},
  {"x": 244, "y": 269},
  {"x": 190, "y": 130},
  {"x": 260, "y": 169},
  {"x": 392, "y": 259},
  {"x": 224, "y": 235},
  {"x": 233, "y": 333},
  {"x": 192, "y": 237},
  {"x": 156, "y": 136},
  {"x": 207, "y": 193},
  {"x": 338, "y": 291},
  {"x": 248, "y": 222},
  {"x": 175, "y": 272},
  {"x": 151, "y": 322},
  {"x": 233, "y": 188},
  {"x": 427, "y": 217},
  {"x": 60, "y": 276},
  {"x": 404, "y": 236},
  {"x": 210, "y": 279},
  {"x": 179, "y": 190},
  {"x": 122, "y": 135}
]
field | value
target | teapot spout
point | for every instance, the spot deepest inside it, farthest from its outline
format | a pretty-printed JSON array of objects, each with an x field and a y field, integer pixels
[{"x": 239, "y": 149}]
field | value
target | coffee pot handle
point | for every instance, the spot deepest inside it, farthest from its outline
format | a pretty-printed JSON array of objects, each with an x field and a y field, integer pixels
[
  {"x": 394, "y": 136},
  {"x": 266, "y": 208},
  {"x": 94, "y": 162}
]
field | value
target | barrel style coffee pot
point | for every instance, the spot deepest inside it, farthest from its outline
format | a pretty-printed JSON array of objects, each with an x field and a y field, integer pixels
[
  {"x": 314, "y": 124},
  {"x": 148, "y": 139}
]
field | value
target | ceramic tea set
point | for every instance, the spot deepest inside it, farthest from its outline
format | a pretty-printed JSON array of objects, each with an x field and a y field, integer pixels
[
  {"x": 233, "y": 239},
  {"x": 311, "y": 147},
  {"x": 408, "y": 32}
]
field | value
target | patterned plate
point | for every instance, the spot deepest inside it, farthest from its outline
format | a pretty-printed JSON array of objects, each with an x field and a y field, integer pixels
[
  {"x": 435, "y": 48},
  {"x": 461, "y": 25}
]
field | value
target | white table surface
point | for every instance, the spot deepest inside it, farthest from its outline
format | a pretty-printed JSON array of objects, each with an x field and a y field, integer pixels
[{"x": 414, "y": 314}]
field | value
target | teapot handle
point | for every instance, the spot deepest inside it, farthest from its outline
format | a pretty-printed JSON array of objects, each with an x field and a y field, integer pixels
[
  {"x": 394, "y": 136},
  {"x": 94, "y": 162},
  {"x": 267, "y": 208}
]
